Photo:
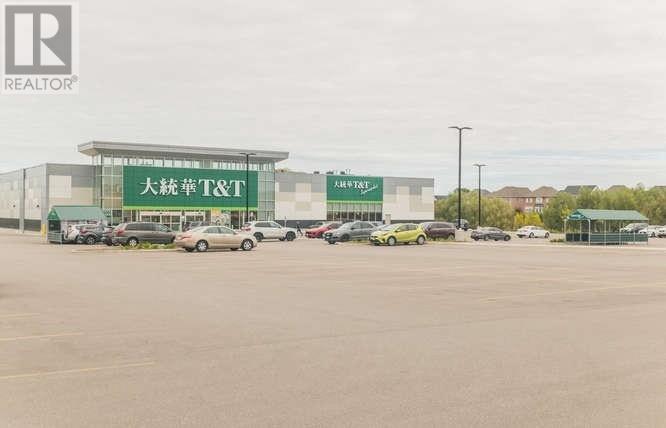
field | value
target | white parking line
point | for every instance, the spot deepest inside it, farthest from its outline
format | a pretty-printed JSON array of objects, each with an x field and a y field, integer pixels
[
  {"x": 26, "y": 314},
  {"x": 41, "y": 336},
  {"x": 579, "y": 290},
  {"x": 81, "y": 370}
]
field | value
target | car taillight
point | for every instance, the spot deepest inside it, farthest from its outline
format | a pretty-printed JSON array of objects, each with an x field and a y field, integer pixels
[
  {"x": 245, "y": 229},
  {"x": 119, "y": 232}
]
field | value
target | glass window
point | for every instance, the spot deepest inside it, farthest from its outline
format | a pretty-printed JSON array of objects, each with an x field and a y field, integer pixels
[
  {"x": 168, "y": 163},
  {"x": 177, "y": 163},
  {"x": 226, "y": 230},
  {"x": 159, "y": 162},
  {"x": 206, "y": 164},
  {"x": 212, "y": 230},
  {"x": 196, "y": 164},
  {"x": 187, "y": 163},
  {"x": 273, "y": 224}
]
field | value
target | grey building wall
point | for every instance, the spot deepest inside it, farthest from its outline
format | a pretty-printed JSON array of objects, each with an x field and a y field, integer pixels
[
  {"x": 27, "y": 195},
  {"x": 409, "y": 199},
  {"x": 300, "y": 196}
]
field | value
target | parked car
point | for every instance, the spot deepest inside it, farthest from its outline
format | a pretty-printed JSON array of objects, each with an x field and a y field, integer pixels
[
  {"x": 398, "y": 233},
  {"x": 194, "y": 224},
  {"x": 377, "y": 223},
  {"x": 208, "y": 237},
  {"x": 487, "y": 233},
  {"x": 653, "y": 231},
  {"x": 89, "y": 234},
  {"x": 354, "y": 230},
  {"x": 316, "y": 224},
  {"x": 464, "y": 224},
  {"x": 133, "y": 233},
  {"x": 107, "y": 235},
  {"x": 318, "y": 232},
  {"x": 633, "y": 227},
  {"x": 269, "y": 230},
  {"x": 532, "y": 232},
  {"x": 439, "y": 229}
]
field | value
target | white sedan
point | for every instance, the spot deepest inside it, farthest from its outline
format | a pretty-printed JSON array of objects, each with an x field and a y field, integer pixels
[
  {"x": 653, "y": 231},
  {"x": 532, "y": 232}
]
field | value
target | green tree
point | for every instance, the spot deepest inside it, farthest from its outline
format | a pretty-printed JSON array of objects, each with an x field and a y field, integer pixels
[
  {"x": 495, "y": 212},
  {"x": 557, "y": 210}
]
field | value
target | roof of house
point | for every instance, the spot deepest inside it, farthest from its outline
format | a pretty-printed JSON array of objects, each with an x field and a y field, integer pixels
[
  {"x": 617, "y": 187},
  {"x": 618, "y": 215},
  {"x": 545, "y": 191},
  {"x": 576, "y": 189},
  {"x": 512, "y": 192}
]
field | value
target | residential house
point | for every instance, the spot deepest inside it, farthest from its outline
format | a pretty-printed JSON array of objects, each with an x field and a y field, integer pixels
[
  {"x": 520, "y": 198},
  {"x": 542, "y": 197},
  {"x": 576, "y": 189}
]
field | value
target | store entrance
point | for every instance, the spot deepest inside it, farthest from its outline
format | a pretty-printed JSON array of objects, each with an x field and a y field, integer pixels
[{"x": 172, "y": 219}]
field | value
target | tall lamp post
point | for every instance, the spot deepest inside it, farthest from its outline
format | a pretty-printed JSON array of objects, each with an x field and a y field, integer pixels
[
  {"x": 460, "y": 131},
  {"x": 247, "y": 184},
  {"x": 480, "y": 165}
]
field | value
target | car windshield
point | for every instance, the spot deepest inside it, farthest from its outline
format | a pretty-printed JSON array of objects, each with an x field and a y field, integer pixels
[{"x": 389, "y": 227}]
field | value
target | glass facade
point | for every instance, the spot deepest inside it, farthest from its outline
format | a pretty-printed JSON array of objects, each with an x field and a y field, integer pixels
[
  {"x": 344, "y": 211},
  {"x": 108, "y": 191}
]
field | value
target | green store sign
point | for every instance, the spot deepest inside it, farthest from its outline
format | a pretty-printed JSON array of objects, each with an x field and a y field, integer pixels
[
  {"x": 352, "y": 188},
  {"x": 147, "y": 187}
]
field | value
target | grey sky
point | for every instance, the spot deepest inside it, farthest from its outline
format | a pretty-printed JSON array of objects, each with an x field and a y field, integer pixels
[{"x": 558, "y": 92}]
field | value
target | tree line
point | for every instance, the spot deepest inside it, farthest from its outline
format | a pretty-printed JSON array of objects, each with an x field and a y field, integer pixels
[{"x": 499, "y": 213}]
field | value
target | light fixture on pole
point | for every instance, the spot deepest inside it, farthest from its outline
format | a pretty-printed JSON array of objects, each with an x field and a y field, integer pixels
[
  {"x": 247, "y": 184},
  {"x": 460, "y": 131},
  {"x": 480, "y": 165}
]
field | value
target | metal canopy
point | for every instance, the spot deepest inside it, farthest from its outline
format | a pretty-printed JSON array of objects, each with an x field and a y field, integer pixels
[
  {"x": 76, "y": 212},
  {"x": 136, "y": 149},
  {"x": 607, "y": 215}
]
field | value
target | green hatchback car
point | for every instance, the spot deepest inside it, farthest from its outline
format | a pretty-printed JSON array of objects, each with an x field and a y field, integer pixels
[{"x": 399, "y": 233}]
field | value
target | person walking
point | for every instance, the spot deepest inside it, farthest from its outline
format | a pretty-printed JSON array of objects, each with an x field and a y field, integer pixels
[{"x": 298, "y": 228}]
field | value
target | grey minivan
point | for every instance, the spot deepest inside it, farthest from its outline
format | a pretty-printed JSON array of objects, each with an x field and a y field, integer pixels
[
  {"x": 133, "y": 233},
  {"x": 355, "y": 230}
]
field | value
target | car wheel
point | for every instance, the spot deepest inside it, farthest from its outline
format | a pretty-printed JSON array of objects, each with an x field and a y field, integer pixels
[
  {"x": 420, "y": 240},
  {"x": 291, "y": 236},
  {"x": 331, "y": 242},
  {"x": 547, "y": 235},
  {"x": 485, "y": 237},
  {"x": 259, "y": 236},
  {"x": 132, "y": 242},
  {"x": 344, "y": 238},
  {"x": 90, "y": 240},
  {"x": 246, "y": 245},
  {"x": 531, "y": 235},
  {"x": 507, "y": 238},
  {"x": 202, "y": 246},
  {"x": 189, "y": 250},
  {"x": 391, "y": 241},
  {"x": 79, "y": 240}
]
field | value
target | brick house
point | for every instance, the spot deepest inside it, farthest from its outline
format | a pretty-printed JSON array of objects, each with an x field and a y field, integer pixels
[{"x": 525, "y": 200}]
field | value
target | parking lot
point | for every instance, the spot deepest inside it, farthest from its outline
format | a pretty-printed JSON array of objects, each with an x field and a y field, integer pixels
[{"x": 302, "y": 333}]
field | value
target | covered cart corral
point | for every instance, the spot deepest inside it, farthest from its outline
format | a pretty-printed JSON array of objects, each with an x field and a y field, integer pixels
[
  {"x": 62, "y": 216},
  {"x": 603, "y": 227}
]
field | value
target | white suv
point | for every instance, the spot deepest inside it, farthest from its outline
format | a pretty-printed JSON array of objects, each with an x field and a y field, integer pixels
[{"x": 269, "y": 230}]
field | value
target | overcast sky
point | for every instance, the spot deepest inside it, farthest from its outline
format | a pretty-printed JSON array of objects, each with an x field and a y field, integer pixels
[{"x": 558, "y": 92}]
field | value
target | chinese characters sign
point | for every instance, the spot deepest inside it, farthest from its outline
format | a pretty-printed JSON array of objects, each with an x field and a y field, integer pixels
[
  {"x": 349, "y": 188},
  {"x": 147, "y": 187}
]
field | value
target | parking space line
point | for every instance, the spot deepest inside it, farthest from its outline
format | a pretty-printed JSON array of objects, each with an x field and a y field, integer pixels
[
  {"x": 579, "y": 290},
  {"x": 81, "y": 370},
  {"x": 41, "y": 336},
  {"x": 26, "y": 314}
]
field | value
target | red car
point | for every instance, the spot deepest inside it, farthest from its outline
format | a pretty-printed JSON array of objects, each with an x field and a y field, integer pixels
[{"x": 318, "y": 232}]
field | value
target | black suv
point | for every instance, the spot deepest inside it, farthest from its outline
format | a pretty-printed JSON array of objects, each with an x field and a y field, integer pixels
[{"x": 133, "y": 233}]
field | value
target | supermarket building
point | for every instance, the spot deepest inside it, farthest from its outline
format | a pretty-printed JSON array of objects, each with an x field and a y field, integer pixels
[{"x": 175, "y": 184}]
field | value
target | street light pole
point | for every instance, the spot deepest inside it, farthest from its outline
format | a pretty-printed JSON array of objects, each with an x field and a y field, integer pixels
[
  {"x": 247, "y": 185},
  {"x": 480, "y": 165},
  {"x": 460, "y": 131}
]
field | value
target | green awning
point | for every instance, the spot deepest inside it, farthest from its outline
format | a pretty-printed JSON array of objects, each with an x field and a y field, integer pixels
[
  {"x": 76, "y": 212},
  {"x": 607, "y": 215}
]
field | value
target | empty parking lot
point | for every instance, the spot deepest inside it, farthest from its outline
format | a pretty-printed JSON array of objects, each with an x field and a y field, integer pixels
[{"x": 309, "y": 334}]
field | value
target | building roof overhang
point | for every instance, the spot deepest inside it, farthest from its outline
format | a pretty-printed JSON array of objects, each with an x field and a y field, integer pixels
[{"x": 93, "y": 148}]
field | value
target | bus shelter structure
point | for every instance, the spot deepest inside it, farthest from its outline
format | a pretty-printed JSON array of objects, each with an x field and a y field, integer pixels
[{"x": 603, "y": 227}]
